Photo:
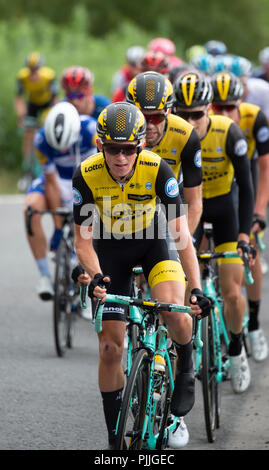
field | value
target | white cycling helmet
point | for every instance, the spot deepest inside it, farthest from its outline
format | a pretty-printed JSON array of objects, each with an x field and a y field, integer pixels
[
  {"x": 62, "y": 126},
  {"x": 134, "y": 54},
  {"x": 264, "y": 56}
]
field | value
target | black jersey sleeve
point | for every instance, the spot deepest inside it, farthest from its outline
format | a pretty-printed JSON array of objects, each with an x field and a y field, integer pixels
[
  {"x": 168, "y": 192},
  {"x": 236, "y": 148},
  {"x": 261, "y": 134},
  {"x": 191, "y": 161},
  {"x": 83, "y": 202}
]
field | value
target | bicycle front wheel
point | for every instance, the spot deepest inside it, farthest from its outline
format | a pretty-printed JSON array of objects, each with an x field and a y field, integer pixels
[
  {"x": 209, "y": 380},
  {"x": 62, "y": 308},
  {"x": 133, "y": 409}
]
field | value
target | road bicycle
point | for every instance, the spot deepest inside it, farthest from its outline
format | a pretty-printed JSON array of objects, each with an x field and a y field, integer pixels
[
  {"x": 66, "y": 302},
  {"x": 144, "y": 420},
  {"x": 212, "y": 363}
]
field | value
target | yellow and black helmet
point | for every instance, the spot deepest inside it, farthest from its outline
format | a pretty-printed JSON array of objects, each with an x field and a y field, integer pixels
[
  {"x": 192, "y": 89},
  {"x": 226, "y": 87},
  {"x": 121, "y": 122},
  {"x": 34, "y": 60},
  {"x": 150, "y": 91}
]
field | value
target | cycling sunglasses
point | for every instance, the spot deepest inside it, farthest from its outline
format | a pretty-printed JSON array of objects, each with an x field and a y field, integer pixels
[
  {"x": 155, "y": 118},
  {"x": 193, "y": 115},
  {"x": 218, "y": 108},
  {"x": 75, "y": 96},
  {"x": 114, "y": 150}
]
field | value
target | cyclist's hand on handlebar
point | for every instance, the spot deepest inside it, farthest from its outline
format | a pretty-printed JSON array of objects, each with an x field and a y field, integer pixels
[
  {"x": 200, "y": 304},
  {"x": 98, "y": 287},
  {"x": 80, "y": 276},
  {"x": 246, "y": 250},
  {"x": 258, "y": 223}
]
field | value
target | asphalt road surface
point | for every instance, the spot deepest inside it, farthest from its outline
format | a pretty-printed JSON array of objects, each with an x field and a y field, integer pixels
[{"x": 51, "y": 403}]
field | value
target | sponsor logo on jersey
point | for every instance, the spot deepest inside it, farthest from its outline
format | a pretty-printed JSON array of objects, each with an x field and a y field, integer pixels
[
  {"x": 263, "y": 134},
  {"x": 197, "y": 159},
  {"x": 240, "y": 148},
  {"x": 148, "y": 185},
  {"x": 139, "y": 197},
  {"x": 175, "y": 129},
  {"x": 77, "y": 198},
  {"x": 144, "y": 162},
  {"x": 94, "y": 167},
  {"x": 171, "y": 187}
]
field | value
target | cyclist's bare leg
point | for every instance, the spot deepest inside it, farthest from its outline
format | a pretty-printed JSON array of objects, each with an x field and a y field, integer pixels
[
  {"x": 231, "y": 277},
  {"x": 37, "y": 242},
  {"x": 179, "y": 324},
  {"x": 111, "y": 346},
  {"x": 254, "y": 291}
]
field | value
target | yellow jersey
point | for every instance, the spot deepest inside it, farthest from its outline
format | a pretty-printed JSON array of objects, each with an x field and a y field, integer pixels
[{"x": 39, "y": 91}]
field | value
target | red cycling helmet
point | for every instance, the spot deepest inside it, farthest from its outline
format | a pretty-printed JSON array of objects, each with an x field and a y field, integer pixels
[
  {"x": 77, "y": 79},
  {"x": 164, "y": 45},
  {"x": 154, "y": 62}
]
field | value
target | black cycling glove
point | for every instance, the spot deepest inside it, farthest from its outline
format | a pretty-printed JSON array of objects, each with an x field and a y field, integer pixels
[
  {"x": 77, "y": 271},
  {"x": 257, "y": 219},
  {"x": 203, "y": 302},
  {"x": 98, "y": 280},
  {"x": 244, "y": 246}
]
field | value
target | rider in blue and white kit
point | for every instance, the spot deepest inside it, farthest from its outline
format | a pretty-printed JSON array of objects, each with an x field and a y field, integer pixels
[{"x": 66, "y": 139}]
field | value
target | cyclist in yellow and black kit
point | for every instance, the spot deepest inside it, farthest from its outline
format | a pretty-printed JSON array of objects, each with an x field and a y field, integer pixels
[
  {"x": 224, "y": 155},
  {"x": 36, "y": 91},
  {"x": 228, "y": 92},
  {"x": 170, "y": 137},
  {"x": 123, "y": 182}
]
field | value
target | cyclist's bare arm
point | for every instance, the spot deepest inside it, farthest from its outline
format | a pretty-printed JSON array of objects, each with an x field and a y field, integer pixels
[
  {"x": 85, "y": 251},
  {"x": 262, "y": 197},
  {"x": 20, "y": 108},
  {"x": 193, "y": 197}
]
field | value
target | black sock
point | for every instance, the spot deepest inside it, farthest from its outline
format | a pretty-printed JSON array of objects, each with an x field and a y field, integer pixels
[
  {"x": 235, "y": 345},
  {"x": 253, "y": 308},
  {"x": 184, "y": 352},
  {"x": 111, "y": 405}
]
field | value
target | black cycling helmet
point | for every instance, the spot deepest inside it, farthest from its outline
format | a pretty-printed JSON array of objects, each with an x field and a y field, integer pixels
[
  {"x": 150, "y": 91},
  {"x": 121, "y": 122},
  {"x": 192, "y": 89},
  {"x": 226, "y": 87}
]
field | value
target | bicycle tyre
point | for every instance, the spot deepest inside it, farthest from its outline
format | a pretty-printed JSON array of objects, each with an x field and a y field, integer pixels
[
  {"x": 62, "y": 306},
  {"x": 209, "y": 380},
  {"x": 165, "y": 402},
  {"x": 133, "y": 409}
]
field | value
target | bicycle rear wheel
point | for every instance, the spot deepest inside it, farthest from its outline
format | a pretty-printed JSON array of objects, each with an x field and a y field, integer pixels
[
  {"x": 62, "y": 307},
  {"x": 132, "y": 414},
  {"x": 210, "y": 385}
]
